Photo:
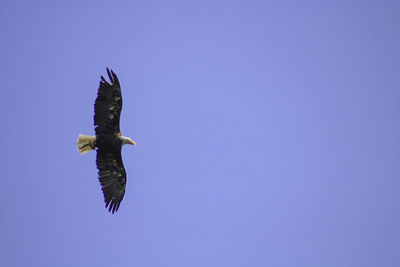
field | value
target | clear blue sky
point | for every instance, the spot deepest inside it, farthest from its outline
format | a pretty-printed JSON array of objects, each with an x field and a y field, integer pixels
[{"x": 267, "y": 133}]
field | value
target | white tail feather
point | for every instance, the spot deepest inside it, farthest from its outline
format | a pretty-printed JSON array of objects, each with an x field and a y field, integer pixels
[{"x": 85, "y": 143}]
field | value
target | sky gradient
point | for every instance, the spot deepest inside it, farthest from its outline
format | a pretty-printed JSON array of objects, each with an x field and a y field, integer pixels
[{"x": 267, "y": 133}]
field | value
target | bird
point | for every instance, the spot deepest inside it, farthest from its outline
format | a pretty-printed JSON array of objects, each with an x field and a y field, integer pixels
[{"x": 108, "y": 141}]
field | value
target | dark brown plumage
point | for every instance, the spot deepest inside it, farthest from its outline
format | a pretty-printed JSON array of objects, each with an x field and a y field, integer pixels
[
  {"x": 108, "y": 141},
  {"x": 107, "y": 111}
]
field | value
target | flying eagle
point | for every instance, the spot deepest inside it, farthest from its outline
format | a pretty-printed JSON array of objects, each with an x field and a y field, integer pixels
[{"x": 108, "y": 141}]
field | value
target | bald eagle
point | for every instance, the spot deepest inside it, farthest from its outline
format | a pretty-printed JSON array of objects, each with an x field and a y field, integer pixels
[{"x": 108, "y": 141}]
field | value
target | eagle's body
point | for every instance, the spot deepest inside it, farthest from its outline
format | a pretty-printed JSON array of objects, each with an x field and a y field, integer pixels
[{"x": 108, "y": 141}]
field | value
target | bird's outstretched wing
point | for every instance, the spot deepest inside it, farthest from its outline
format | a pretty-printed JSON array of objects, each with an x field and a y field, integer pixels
[
  {"x": 108, "y": 105},
  {"x": 107, "y": 111},
  {"x": 112, "y": 177}
]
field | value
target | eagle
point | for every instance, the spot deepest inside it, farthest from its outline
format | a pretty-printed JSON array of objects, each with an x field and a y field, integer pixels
[{"x": 108, "y": 141}]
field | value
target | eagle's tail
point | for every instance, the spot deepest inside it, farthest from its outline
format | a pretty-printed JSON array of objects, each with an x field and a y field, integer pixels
[{"x": 86, "y": 143}]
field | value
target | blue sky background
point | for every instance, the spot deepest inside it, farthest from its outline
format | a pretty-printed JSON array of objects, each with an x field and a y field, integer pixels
[{"x": 267, "y": 133}]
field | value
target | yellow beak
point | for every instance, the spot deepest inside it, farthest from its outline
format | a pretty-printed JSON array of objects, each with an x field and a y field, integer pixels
[{"x": 133, "y": 143}]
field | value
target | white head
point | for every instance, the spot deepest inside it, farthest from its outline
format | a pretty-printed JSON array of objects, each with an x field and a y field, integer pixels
[{"x": 127, "y": 140}]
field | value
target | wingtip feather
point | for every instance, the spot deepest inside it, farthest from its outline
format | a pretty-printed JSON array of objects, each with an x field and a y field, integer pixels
[{"x": 110, "y": 75}]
